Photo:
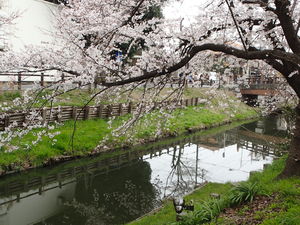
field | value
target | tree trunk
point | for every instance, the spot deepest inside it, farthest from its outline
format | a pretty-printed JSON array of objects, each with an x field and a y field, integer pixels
[{"x": 292, "y": 167}]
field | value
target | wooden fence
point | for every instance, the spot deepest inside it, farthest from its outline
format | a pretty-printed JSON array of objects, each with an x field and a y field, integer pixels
[{"x": 64, "y": 113}]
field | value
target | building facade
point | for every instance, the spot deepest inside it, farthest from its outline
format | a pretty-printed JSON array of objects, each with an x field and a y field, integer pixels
[{"x": 33, "y": 26}]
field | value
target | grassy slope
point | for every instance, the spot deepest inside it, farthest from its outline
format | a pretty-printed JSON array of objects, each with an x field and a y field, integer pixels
[
  {"x": 288, "y": 198},
  {"x": 287, "y": 202},
  {"x": 44, "y": 172},
  {"x": 89, "y": 133},
  {"x": 167, "y": 214}
]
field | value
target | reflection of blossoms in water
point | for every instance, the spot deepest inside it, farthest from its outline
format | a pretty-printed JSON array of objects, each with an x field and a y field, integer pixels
[
  {"x": 133, "y": 200},
  {"x": 95, "y": 214},
  {"x": 158, "y": 185},
  {"x": 183, "y": 180}
]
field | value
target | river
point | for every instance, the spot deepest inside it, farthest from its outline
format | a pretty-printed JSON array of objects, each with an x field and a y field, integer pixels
[{"x": 118, "y": 187}]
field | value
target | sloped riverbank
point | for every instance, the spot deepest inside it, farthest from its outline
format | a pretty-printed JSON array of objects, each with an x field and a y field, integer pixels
[{"x": 22, "y": 154}]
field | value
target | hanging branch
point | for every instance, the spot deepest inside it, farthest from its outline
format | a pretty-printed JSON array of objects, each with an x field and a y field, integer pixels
[{"x": 236, "y": 25}]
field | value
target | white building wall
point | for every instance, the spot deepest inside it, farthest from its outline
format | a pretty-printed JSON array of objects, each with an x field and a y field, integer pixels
[{"x": 34, "y": 25}]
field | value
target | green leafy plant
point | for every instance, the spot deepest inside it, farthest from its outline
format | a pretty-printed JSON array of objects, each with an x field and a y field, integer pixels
[
  {"x": 243, "y": 192},
  {"x": 208, "y": 210}
]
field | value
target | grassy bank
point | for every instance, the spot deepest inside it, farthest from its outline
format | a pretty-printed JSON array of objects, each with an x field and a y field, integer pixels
[
  {"x": 136, "y": 150},
  {"x": 89, "y": 133},
  {"x": 261, "y": 200}
]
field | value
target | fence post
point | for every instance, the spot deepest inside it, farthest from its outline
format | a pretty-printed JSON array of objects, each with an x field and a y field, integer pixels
[
  {"x": 181, "y": 102},
  {"x": 196, "y": 101},
  {"x": 6, "y": 121},
  {"x": 192, "y": 101},
  {"x": 130, "y": 107},
  {"x": 90, "y": 87},
  {"x": 186, "y": 102},
  {"x": 110, "y": 110},
  {"x": 74, "y": 112},
  {"x": 86, "y": 112},
  {"x": 44, "y": 115},
  {"x": 120, "y": 109},
  {"x": 100, "y": 107},
  {"x": 25, "y": 119},
  {"x": 59, "y": 116},
  {"x": 19, "y": 81},
  {"x": 42, "y": 80}
]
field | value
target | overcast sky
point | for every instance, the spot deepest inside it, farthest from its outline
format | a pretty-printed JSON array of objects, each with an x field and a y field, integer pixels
[{"x": 186, "y": 9}]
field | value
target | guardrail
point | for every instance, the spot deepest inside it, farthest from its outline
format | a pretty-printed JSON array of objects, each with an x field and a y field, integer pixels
[{"x": 262, "y": 83}]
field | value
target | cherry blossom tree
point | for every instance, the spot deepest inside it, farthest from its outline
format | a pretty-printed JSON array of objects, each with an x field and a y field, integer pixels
[
  {"x": 90, "y": 34},
  {"x": 7, "y": 19}
]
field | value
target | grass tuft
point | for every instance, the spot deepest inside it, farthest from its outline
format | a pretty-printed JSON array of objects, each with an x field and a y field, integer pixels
[{"x": 243, "y": 192}]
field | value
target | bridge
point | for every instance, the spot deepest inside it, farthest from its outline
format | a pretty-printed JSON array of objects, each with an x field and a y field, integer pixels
[{"x": 252, "y": 88}]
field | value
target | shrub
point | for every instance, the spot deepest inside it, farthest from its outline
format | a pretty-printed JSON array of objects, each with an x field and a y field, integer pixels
[{"x": 243, "y": 192}]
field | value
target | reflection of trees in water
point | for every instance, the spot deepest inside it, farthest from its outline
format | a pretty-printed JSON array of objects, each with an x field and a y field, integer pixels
[
  {"x": 264, "y": 137},
  {"x": 274, "y": 125},
  {"x": 128, "y": 192},
  {"x": 113, "y": 198},
  {"x": 183, "y": 175},
  {"x": 258, "y": 155},
  {"x": 134, "y": 201},
  {"x": 286, "y": 122}
]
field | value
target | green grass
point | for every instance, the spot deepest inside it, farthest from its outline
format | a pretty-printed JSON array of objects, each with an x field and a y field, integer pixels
[
  {"x": 192, "y": 117},
  {"x": 87, "y": 136},
  {"x": 180, "y": 121},
  {"x": 167, "y": 214},
  {"x": 9, "y": 96},
  {"x": 290, "y": 217},
  {"x": 288, "y": 190},
  {"x": 287, "y": 202},
  {"x": 75, "y": 98},
  {"x": 287, "y": 199}
]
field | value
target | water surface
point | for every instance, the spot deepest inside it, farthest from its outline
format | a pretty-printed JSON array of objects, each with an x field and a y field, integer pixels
[{"x": 120, "y": 187}]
